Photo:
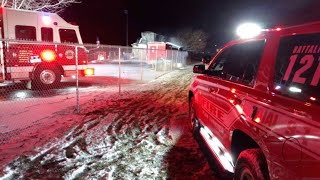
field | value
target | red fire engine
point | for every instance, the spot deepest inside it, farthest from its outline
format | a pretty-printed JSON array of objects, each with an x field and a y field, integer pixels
[{"x": 30, "y": 48}]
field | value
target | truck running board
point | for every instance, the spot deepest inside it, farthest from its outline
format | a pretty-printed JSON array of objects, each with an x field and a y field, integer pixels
[{"x": 217, "y": 149}]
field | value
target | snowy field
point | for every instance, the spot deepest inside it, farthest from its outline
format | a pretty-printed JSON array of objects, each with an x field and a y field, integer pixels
[{"x": 140, "y": 134}]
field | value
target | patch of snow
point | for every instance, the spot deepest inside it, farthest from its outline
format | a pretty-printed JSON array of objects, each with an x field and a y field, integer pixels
[
  {"x": 139, "y": 134},
  {"x": 41, "y": 154},
  {"x": 77, "y": 173},
  {"x": 9, "y": 175}
]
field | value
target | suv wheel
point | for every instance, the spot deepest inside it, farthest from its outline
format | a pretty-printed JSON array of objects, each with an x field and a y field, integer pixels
[
  {"x": 251, "y": 165},
  {"x": 195, "y": 125}
]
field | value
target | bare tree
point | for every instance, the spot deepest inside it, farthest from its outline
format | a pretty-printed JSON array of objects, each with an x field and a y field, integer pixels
[
  {"x": 38, "y": 5},
  {"x": 193, "y": 40}
]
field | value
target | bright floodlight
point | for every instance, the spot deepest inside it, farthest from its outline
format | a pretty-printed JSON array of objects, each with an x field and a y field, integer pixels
[{"x": 248, "y": 30}]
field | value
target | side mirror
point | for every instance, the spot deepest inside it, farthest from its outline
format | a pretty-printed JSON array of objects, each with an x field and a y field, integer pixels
[{"x": 200, "y": 69}]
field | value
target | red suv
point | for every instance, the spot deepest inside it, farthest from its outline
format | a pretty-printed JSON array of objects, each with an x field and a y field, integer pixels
[{"x": 257, "y": 104}]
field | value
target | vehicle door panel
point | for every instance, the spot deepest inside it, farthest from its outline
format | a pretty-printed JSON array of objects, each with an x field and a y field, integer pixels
[
  {"x": 295, "y": 104},
  {"x": 234, "y": 78},
  {"x": 200, "y": 88}
]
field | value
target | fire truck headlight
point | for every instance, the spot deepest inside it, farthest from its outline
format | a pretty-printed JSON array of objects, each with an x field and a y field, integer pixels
[
  {"x": 48, "y": 55},
  {"x": 248, "y": 30},
  {"x": 89, "y": 71}
]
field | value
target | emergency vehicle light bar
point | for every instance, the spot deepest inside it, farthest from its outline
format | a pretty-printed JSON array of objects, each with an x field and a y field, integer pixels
[
  {"x": 248, "y": 30},
  {"x": 46, "y": 19}
]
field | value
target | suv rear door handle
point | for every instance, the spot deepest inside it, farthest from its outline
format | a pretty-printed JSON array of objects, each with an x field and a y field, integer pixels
[
  {"x": 211, "y": 90},
  {"x": 254, "y": 112}
]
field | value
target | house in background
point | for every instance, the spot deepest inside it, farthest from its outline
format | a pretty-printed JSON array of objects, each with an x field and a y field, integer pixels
[{"x": 153, "y": 47}]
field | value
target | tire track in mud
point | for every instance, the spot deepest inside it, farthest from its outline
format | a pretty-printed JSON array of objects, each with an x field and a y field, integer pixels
[
  {"x": 137, "y": 109},
  {"x": 145, "y": 118}
]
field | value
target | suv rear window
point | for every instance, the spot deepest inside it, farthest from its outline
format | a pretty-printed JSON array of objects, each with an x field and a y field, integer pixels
[
  {"x": 239, "y": 63},
  {"x": 297, "y": 70}
]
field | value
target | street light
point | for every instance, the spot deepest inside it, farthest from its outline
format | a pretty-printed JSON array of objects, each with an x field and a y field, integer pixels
[{"x": 126, "y": 12}]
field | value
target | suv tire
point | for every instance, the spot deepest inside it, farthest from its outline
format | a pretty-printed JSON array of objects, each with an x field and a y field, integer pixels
[
  {"x": 251, "y": 165},
  {"x": 194, "y": 122}
]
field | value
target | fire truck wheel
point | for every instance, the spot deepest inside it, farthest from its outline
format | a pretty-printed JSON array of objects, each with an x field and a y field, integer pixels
[
  {"x": 251, "y": 164},
  {"x": 195, "y": 125},
  {"x": 45, "y": 78}
]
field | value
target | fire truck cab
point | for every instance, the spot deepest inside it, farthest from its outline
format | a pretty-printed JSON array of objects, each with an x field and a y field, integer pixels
[{"x": 31, "y": 48}]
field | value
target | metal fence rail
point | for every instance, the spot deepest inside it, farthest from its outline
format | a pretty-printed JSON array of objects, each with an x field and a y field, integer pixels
[{"x": 38, "y": 79}]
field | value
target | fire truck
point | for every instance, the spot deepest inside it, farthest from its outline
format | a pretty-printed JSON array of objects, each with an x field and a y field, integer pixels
[{"x": 31, "y": 48}]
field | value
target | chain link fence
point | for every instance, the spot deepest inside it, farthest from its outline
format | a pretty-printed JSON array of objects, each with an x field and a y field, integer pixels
[{"x": 40, "y": 79}]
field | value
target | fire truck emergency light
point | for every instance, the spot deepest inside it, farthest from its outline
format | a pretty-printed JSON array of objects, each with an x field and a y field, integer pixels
[
  {"x": 248, "y": 30},
  {"x": 46, "y": 19},
  {"x": 48, "y": 55},
  {"x": 89, "y": 71}
]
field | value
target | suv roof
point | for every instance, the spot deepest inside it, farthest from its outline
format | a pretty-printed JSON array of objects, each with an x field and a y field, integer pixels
[{"x": 294, "y": 30}]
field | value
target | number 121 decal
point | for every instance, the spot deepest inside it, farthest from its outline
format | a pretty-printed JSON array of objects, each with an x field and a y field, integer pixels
[{"x": 307, "y": 62}]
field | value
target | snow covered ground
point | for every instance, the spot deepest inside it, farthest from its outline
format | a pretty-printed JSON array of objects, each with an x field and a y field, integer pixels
[{"x": 143, "y": 133}]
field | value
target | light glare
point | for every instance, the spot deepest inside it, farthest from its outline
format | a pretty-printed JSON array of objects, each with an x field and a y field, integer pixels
[
  {"x": 295, "y": 90},
  {"x": 257, "y": 120},
  {"x": 21, "y": 95},
  {"x": 89, "y": 72},
  {"x": 46, "y": 20},
  {"x": 48, "y": 55},
  {"x": 248, "y": 30}
]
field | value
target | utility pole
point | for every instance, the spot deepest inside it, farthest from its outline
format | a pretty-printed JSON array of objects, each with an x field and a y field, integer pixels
[{"x": 127, "y": 28}]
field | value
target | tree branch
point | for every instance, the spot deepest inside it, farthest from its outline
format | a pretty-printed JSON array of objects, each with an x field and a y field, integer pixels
[{"x": 39, "y": 5}]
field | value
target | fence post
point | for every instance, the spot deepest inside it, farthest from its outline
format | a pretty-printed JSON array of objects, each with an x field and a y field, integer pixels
[
  {"x": 171, "y": 61},
  {"x": 77, "y": 81},
  {"x": 156, "y": 59},
  {"x": 179, "y": 57},
  {"x": 176, "y": 57},
  {"x": 119, "y": 75},
  {"x": 141, "y": 70}
]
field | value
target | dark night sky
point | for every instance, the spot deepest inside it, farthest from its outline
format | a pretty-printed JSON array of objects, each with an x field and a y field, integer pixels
[{"x": 106, "y": 19}]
